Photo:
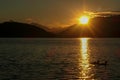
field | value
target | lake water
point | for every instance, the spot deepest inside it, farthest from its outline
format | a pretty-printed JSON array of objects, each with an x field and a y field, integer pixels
[{"x": 59, "y": 59}]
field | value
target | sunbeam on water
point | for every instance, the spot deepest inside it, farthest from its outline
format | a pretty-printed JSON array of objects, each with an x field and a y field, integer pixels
[{"x": 84, "y": 59}]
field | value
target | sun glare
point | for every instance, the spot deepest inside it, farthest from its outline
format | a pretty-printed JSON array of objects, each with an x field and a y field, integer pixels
[{"x": 84, "y": 20}]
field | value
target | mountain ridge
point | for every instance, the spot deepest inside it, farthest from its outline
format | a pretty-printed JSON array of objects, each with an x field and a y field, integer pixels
[{"x": 17, "y": 29}]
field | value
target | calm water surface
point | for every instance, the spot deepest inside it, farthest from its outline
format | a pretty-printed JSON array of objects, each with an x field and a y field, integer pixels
[{"x": 59, "y": 59}]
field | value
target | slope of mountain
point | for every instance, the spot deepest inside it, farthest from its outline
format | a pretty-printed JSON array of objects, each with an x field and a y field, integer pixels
[
  {"x": 16, "y": 29},
  {"x": 76, "y": 31}
]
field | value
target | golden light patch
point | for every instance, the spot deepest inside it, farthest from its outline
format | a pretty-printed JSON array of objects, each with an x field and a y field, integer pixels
[{"x": 84, "y": 20}]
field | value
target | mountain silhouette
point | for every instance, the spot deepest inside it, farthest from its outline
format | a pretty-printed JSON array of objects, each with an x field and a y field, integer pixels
[
  {"x": 99, "y": 27},
  {"x": 16, "y": 29},
  {"x": 102, "y": 26}
]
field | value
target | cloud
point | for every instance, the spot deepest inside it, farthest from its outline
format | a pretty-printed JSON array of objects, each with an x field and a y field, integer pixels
[{"x": 103, "y": 14}]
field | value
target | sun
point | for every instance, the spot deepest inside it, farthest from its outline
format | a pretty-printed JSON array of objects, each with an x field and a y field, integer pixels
[{"x": 84, "y": 20}]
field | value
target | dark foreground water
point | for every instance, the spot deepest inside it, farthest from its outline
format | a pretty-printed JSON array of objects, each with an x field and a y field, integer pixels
[{"x": 59, "y": 59}]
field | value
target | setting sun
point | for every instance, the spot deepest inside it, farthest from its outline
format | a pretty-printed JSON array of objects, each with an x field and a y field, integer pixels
[{"x": 84, "y": 20}]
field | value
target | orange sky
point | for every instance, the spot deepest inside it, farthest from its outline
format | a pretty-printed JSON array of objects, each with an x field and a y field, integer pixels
[{"x": 53, "y": 12}]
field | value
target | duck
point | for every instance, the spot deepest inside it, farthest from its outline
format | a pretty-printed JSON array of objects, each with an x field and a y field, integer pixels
[
  {"x": 95, "y": 62},
  {"x": 103, "y": 63}
]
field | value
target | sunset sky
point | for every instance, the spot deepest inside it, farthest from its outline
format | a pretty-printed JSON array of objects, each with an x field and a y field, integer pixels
[{"x": 52, "y": 12}]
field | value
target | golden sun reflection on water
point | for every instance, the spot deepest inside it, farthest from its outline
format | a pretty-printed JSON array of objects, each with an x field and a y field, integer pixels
[{"x": 84, "y": 61}]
